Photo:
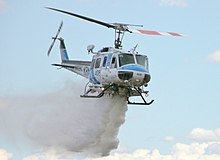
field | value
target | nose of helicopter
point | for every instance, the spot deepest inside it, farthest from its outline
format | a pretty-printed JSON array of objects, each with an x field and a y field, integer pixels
[
  {"x": 147, "y": 78},
  {"x": 128, "y": 75},
  {"x": 125, "y": 75}
]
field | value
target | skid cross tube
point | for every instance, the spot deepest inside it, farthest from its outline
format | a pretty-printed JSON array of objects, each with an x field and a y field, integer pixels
[{"x": 98, "y": 96}]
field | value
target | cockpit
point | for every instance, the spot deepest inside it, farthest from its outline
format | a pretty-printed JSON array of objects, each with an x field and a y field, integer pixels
[
  {"x": 121, "y": 66},
  {"x": 126, "y": 58},
  {"x": 118, "y": 59}
]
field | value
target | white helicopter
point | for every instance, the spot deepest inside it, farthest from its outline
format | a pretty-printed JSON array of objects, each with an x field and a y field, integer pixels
[{"x": 112, "y": 71}]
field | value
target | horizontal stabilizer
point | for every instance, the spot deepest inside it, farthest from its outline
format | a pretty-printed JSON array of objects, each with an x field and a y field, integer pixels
[
  {"x": 72, "y": 62},
  {"x": 63, "y": 65}
]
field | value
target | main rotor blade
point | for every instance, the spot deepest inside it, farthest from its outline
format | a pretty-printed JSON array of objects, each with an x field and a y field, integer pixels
[
  {"x": 157, "y": 33},
  {"x": 83, "y": 17}
]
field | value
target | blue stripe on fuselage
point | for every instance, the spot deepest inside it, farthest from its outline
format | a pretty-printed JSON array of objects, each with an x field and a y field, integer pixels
[
  {"x": 133, "y": 67},
  {"x": 93, "y": 78},
  {"x": 65, "y": 55}
]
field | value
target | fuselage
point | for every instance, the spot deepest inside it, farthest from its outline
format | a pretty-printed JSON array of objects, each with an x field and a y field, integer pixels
[
  {"x": 111, "y": 65},
  {"x": 111, "y": 71}
]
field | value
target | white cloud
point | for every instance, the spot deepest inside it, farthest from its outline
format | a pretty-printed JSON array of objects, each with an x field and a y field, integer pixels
[
  {"x": 200, "y": 134},
  {"x": 174, "y": 3},
  {"x": 180, "y": 151},
  {"x": 4, "y": 155},
  {"x": 215, "y": 56},
  {"x": 214, "y": 148},
  {"x": 169, "y": 138}
]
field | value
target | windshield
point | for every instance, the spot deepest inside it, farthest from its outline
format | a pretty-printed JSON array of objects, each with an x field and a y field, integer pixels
[
  {"x": 141, "y": 60},
  {"x": 126, "y": 59}
]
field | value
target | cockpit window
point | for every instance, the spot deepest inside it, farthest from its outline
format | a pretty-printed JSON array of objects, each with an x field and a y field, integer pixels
[
  {"x": 114, "y": 62},
  {"x": 141, "y": 60},
  {"x": 125, "y": 59}
]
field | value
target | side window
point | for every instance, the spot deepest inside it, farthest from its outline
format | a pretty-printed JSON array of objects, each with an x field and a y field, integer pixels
[
  {"x": 114, "y": 62},
  {"x": 97, "y": 63},
  {"x": 104, "y": 61}
]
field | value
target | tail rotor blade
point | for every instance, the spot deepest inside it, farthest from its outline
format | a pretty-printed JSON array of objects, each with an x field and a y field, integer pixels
[
  {"x": 54, "y": 38},
  {"x": 51, "y": 46}
]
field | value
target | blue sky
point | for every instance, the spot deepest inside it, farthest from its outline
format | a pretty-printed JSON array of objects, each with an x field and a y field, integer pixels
[{"x": 185, "y": 71}]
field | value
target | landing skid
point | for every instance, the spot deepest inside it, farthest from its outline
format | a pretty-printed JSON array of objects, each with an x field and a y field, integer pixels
[
  {"x": 144, "y": 101},
  {"x": 138, "y": 92}
]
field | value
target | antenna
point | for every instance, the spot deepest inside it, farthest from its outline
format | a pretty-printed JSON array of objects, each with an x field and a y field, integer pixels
[{"x": 133, "y": 49}]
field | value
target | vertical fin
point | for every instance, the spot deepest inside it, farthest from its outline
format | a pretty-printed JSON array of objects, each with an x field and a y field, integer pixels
[{"x": 63, "y": 51}]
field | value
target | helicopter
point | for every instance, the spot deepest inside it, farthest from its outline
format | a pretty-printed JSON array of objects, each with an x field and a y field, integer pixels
[{"x": 112, "y": 70}]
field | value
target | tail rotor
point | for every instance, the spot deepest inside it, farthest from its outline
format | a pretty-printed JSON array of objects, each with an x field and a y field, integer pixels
[{"x": 55, "y": 38}]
